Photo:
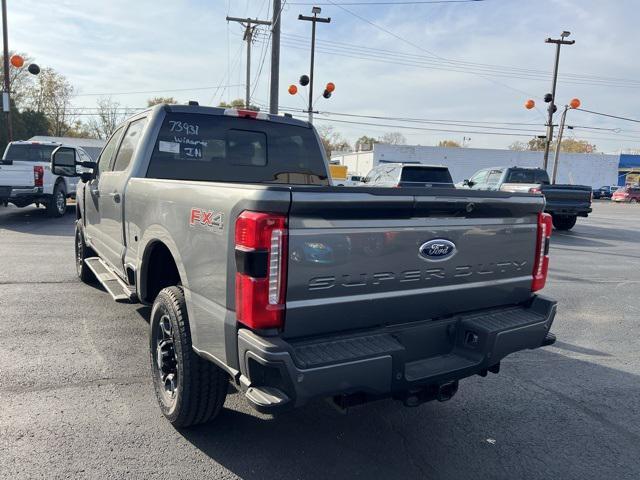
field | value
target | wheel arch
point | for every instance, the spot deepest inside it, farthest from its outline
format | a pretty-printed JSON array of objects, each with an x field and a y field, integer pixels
[{"x": 160, "y": 266}]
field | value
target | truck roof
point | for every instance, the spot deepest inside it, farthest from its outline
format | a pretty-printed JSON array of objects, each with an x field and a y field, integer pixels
[
  {"x": 46, "y": 143},
  {"x": 419, "y": 165},
  {"x": 234, "y": 112}
]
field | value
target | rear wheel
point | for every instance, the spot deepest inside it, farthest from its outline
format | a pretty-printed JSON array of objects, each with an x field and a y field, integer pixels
[
  {"x": 564, "y": 222},
  {"x": 633, "y": 200},
  {"x": 189, "y": 389},
  {"x": 57, "y": 204}
]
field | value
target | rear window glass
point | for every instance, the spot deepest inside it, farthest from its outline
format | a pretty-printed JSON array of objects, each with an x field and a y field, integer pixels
[
  {"x": 195, "y": 146},
  {"x": 425, "y": 175},
  {"x": 521, "y": 176},
  {"x": 29, "y": 153}
]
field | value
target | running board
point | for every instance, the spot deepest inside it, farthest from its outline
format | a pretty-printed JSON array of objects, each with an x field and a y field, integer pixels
[{"x": 112, "y": 283}]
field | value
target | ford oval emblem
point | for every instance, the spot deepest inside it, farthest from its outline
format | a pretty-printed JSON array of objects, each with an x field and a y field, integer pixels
[{"x": 437, "y": 250}]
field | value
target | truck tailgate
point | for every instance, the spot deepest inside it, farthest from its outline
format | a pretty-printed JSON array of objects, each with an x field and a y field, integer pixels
[
  {"x": 569, "y": 196},
  {"x": 16, "y": 175},
  {"x": 355, "y": 261}
]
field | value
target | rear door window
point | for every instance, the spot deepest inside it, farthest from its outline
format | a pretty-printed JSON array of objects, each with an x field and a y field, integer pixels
[
  {"x": 426, "y": 175},
  {"x": 29, "y": 152},
  {"x": 541, "y": 177},
  {"x": 109, "y": 149},
  {"x": 220, "y": 148},
  {"x": 129, "y": 143},
  {"x": 521, "y": 176}
]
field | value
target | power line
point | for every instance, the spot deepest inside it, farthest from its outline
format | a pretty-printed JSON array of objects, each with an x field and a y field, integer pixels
[
  {"x": 400, "y": 58},
  {"x": 530, "y": 134},
  {"x": 609, "y": 115},
  {"x": 152, "y": 91}
]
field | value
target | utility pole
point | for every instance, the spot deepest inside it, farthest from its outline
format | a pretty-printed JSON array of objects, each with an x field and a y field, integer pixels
[
  {"x": 6, "y": 103},
  {"x": 275, "y": 57},
  {"x": 315, "y": 19},
  {"x": 558, "y": 42},
  {"x": 249, "y": 25},
  {"x": 558, "y": 145}
]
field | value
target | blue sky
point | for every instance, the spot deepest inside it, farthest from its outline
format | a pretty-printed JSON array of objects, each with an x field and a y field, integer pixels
[{"x": 167, "y": 46}]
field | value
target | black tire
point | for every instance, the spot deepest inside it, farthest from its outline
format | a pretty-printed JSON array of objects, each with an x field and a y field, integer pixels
[
  {"x": 564, "y": 222},
  {"x": 82, "y": 252},
  {"x": 57, "y": 204},
  {"x": 633, "y": 200},
  {"x": 189, "y": 389}
]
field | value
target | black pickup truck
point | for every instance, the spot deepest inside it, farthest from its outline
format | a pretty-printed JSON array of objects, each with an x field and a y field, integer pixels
[{"x": 565, "y": 203}]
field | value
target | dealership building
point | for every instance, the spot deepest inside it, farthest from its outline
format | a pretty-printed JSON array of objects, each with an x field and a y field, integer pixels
[{"x": 594, "y": 169}]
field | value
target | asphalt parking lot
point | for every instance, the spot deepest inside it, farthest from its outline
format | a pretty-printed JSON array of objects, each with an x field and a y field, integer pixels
[{"x": 76, "y": 398}]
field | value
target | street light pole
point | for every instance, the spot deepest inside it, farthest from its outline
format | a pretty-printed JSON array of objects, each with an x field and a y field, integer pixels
[
  {"x": 315, "y": 19},
  {"x": 6, "y": 103},
  {"x": 558, "y": 42}
]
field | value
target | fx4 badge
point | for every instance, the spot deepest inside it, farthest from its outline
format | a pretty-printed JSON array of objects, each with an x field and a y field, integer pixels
[
  {"x": 207, "y": 218},
  {"x": 437, "y": 250}
]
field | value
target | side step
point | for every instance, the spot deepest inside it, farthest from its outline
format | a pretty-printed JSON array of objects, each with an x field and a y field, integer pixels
[{"x": 112, "y": 283}]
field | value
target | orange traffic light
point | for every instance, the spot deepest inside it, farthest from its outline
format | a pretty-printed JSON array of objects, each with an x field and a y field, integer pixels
[
  {"x": 529, "y": 104},
  {"x": 330, "y": 87},
  {"x": 574, "y": 103},
  {"x": 293, "y": 89},
  {"x": 17, "y": 61}
]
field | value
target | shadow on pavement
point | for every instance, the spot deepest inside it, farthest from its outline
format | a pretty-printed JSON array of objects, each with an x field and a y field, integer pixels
[
  {"x": 35, "y": 220},
  {"x": 582, "y": 420}
]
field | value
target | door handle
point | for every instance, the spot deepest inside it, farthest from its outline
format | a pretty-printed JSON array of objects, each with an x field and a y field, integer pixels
[{"x": 115, "y": 196}]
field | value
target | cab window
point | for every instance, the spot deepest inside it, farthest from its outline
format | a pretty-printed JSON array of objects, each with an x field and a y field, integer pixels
[{"x": 109, "y": 149}]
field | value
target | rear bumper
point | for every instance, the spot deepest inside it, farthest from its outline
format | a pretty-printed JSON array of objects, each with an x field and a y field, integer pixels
[
  {"x": 20, "y": 191},
  {"x": 411, "y": 361},
  {"x": 568, "y": 210}
]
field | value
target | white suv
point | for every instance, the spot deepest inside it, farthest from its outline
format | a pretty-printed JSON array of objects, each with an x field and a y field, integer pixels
[{"x": 26, "y": 178}]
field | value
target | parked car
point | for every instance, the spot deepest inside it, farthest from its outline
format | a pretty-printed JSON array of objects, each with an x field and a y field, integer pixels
[
  {"x": 409, "y": 175},
  {"x": 350, "y": 181},
  {"x": 627, "y": 195},
  {"x": 26, "y": 178},
  {"x": 261, "y": 273},
  {"x": 564, "y": 202},
  {"x": 605, "y": 191}
]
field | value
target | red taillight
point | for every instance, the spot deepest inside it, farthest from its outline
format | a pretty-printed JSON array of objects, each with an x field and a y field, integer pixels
[
  {"x": 38, "y": 175},
  {"x": 535, "y": 190},
  {"x": 261, "y": 262},
  {"x": 541, "y": 263}
]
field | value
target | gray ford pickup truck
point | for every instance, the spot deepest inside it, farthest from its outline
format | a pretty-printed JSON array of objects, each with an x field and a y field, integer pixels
[{"x": 263, "y": 274}]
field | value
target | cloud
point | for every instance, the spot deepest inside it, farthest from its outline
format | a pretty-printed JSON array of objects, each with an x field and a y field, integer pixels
[{"x": 121, "y": 46}]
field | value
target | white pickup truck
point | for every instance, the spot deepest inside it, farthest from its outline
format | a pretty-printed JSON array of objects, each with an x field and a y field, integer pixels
[{"x": 26, "y": 178}]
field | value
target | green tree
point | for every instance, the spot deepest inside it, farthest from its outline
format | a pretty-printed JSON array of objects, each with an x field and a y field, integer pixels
[
  {"x": 570, "y": 145},
  {"x": 109, "y": 115},
  {"x": 332, "y": 141},
  {"x": 51, "y": 94},
  {"x": 364, "y": 143},
  {"x": 393, "y": 138},
  {"x": 448, "y": 144},
  {"x": 158, "y": 100},
  {"x": 237, "y": 103}
]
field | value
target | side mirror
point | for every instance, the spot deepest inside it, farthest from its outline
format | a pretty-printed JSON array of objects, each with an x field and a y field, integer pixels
[
  {"x": 64, "y": 162},
  {"x": 467, "y": 183}
]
